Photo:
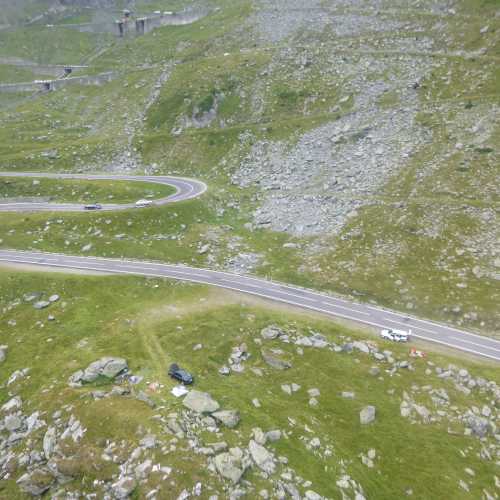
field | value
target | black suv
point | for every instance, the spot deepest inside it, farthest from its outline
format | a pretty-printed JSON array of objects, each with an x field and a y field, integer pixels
[{"x": 179, "y": 374}]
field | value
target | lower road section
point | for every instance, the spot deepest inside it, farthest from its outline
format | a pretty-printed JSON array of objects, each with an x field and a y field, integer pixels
[{"x": 294, "y": 296}]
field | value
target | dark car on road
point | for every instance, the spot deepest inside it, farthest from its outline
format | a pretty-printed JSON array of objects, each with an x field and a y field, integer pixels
[
  {"x": 179, "y": 374},
  {"x": 93, "y": 206}
]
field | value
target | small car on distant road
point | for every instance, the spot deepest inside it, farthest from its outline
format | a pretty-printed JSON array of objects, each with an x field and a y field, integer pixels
[
  {"x": 179, "y": 374},
  {"x": 143, "y": 203},
  {"x": 395, "y": 335},
  {"x": 93, "y": 206}
]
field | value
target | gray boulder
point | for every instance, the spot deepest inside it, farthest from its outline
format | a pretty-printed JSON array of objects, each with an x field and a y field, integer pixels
[
  {"x": 37, "y": 482},
  {"x": 13, "y": 423},
  {"x": 200, "y": 402},
  {"x": 262, "y": 457},
  {"x": 124, "y": 487},
  {"x": 107, "y": 367},
  {"x": 230, "y": 418},
  {"x": 41, "y": 304},
  {"x": 273, "y": 435},
  {"x": 361, "y": 346},
  {"x": 270, "y": 332},
  {"x": 228, "y": 466},
  {"x": 49, "y": 442},
  {"x": 3, "y": 353},
  {"x": 478, "y": 425},
  {"x": 367, "y": 415}
]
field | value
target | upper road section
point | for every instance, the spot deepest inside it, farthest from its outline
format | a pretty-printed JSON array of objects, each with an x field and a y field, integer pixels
[{"x": 186, "y": 189}]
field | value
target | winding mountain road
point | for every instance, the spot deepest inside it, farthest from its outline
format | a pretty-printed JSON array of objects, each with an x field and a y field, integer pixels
[
  {"x": 295, "y": 296},
  {"x": 185, "y": 189}
]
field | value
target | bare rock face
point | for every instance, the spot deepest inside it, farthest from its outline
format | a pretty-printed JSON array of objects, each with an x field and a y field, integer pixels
[{"x": 105, "y": 367}]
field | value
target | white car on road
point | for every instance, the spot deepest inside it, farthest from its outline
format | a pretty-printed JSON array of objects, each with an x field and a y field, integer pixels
[
  {"x": 143, "y": 203},
  {"x": 395, "y": 335}
]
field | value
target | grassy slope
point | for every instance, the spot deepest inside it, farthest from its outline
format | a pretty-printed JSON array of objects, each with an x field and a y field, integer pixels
[
  {"x": 86, "y": 127},
  {"x": 153, "y": 322}
]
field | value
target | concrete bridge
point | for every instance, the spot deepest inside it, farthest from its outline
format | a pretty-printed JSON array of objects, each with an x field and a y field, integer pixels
[
  {"x": 42, "y": 69},
  {"x": 128, "y": 26},
  {"x": 50, "y": 85}
]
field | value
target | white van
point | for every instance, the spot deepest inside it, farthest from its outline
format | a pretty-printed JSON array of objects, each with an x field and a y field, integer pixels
[
  {"x": 143, "y": 203},
  {"x": 395, "y": 335}
]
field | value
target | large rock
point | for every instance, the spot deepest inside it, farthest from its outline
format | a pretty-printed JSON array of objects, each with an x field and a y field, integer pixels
[
  {"x": 270, "y": 332},
  {"x": 275, "y": 361},
  {"x": 3, "y": 353},
  {"x": 230, "y": 418},
  {"x": 41, "y": 304},
  {"x": 13, "y": 423},
  {"x": 361, "y": 346},
  {"x": 478, "y": 425},
  {"x": 200, "y": 402},
  {"x": 12, "y": 404},
  {"x": 36, "y": 482},
  {"x": 228, "y": 467},
  {"x": 262, "y": 457},
  {"x": 107, "y": 367},
  {"x": 367, "y": 415},
  {"x": 49, "y": 442},
  {"x": 124, "y": 487}
]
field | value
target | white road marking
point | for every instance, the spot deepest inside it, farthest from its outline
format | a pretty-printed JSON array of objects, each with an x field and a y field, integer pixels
[{"x": 458, "y": 339}]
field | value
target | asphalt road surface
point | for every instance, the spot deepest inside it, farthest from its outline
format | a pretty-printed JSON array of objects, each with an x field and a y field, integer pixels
[
  {"x": 186, "y": 189},
  {"x": 333, "y": 306}
]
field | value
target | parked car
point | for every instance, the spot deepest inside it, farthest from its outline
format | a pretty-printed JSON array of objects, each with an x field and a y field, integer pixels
[
  {"x": 143, "y": 203},
  {"x": 93, "y": 206},
  {"x": 395, "y": 335},
  {"x": 179, "y": 374}
]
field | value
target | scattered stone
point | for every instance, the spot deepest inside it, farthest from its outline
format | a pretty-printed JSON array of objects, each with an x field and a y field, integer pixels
[
  {"x": 367, "y": 415},
  {"x": 3, "y": 353},
  {"x": 273, "y": 435},
  {"x": 41, "y": 304},
  {"x": 224, "y": 370}
]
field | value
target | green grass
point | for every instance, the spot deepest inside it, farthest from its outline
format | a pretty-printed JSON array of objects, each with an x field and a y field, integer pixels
[
  {"x": 16, "y": 74},
  {"x": 78, "y": 191},
  {"x": 49, "y": 45},
  {"x": 153, "y": 322}
]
